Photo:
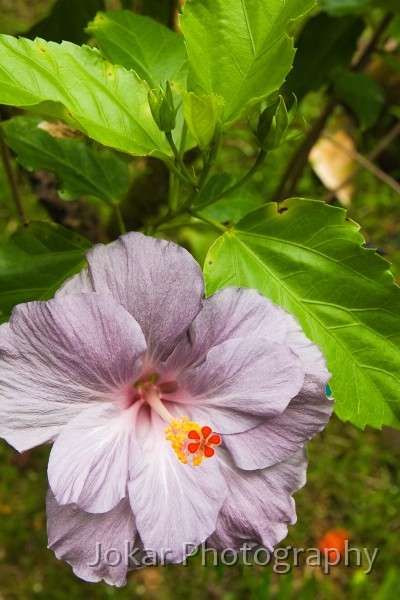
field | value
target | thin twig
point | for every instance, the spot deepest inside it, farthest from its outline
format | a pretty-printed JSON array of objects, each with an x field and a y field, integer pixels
[
  {"x": 177, "y": 173},
  {"x": 121, "y": 223},
  {"x": 297, "y": 163},
  {"x": 361, "y": 60},
  {"x": 211, "y": 222},
  {"x": 385, "y": 141},
  {"x": 260, "y": 159},
  {"x": 368, "y": 164},
  {"x": 12, "y": 180},
  {"x": 179, "y": 159},
  {"x": 184, "y": 133}
]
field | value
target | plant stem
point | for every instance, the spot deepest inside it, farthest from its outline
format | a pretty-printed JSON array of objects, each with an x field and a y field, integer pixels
[
  {"x": 174, "y": 180},
  {"x": 260, "y": 159},
  {"x": 179, "y": 159},
  {"x": 175, "y": 210},
  {"x": 121, "y": 224},
  {"x": 177, "y": 173},
  {"x": 200, "y": 183},
  {"x": 12, "y": 180},
  {"x": 171, "y": 214},
  {"x": 183, "y": 139},
  {"x": 186, "y": 206},
  {"x": 214, "y": 224},
  {"x": 204, "y": 174},
  {"x": 173, "y": 191},
  {"x": 162, "y": 220}
]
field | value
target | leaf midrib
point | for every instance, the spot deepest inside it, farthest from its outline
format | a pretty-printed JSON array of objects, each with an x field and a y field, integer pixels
[{"x": 288, "y": 242}]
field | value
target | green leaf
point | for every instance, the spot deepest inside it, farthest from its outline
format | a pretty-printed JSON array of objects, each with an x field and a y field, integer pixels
[
  {"x": 325, "y": 43},
  {"x": 35, "y": 261},
  {"x": 363, "y": 95},
  {"x": 66, "y": 21},
  {"x": 76, "y": 84},
  {"x": 234, "y": 207},
  {"x": 152, "y": 50},
  {"x": 81, "y": 170},
  {"x": 239, "y": 50},
  {"x": 307, "y": 257},
  {"x": 202, "y": 115}
]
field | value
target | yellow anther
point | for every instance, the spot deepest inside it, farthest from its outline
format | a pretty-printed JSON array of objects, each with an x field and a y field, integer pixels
[{"x": 189, "y": 439}]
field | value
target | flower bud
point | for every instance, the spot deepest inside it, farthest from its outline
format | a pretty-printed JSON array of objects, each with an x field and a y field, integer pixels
[
  {"x": 161, "y": 104},
  {"x": 273, "y": 124}
]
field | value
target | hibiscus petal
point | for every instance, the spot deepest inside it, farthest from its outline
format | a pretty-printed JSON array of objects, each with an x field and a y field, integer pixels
[
  {"x": 75, "y": 535},
  {"x": 305, "y": 415},
  {"x": 56, "y": 356},
  {"x": 88, "y": 463},
  {"x": 241, "y": 382},
  {"x": 229, "y": 313},
  {"x": 175, "y": 505},
  {"x": 78, "y": 284},
  {"x": 158, "y": 282},
  {"x": 259, "y": 506}
]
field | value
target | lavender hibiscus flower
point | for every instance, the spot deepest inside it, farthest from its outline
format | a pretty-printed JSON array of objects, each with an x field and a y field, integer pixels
[{"x": 175, "y": 419}]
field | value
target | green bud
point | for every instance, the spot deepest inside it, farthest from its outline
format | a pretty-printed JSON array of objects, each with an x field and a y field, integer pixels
[
  {"x": 161, "y": 104},
  {"x": 273, "y": 124}
]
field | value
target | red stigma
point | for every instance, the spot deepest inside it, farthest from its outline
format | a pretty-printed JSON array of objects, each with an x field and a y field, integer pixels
[
  {"x": 206, "y": 431},
  {"x": 202, "y": 441}
]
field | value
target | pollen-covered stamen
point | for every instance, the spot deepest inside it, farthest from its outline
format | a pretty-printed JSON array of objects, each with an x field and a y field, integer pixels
[{"x": 190, "y": 440}]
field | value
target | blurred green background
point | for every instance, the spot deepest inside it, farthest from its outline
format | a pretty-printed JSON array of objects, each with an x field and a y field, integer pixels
[{"x": 353, "y": 476}]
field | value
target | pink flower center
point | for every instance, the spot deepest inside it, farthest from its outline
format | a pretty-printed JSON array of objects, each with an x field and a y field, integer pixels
[
  {"x": 188, "y": 439},
  {"x": 149, "y": 392}
]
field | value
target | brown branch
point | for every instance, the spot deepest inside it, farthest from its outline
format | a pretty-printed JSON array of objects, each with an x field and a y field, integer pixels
[
  {"x": 298, "y": 162},
  {"x": 368, "y": 164},
  {"x": 385, "y": 141},
  {"x": 361, "y": 60}
]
